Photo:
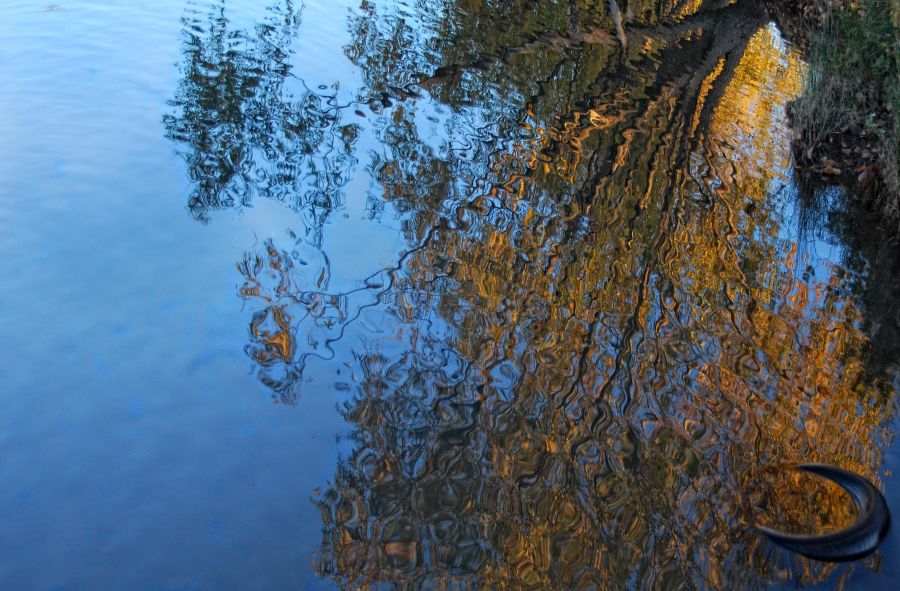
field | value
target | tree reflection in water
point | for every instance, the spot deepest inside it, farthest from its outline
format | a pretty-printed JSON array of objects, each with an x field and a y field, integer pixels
[
  {"x": 247, "y": 127},
  {"x": 603, "y": 350}
]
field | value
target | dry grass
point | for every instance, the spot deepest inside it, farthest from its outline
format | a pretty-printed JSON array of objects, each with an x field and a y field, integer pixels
[{"x": 853, "y": 97}]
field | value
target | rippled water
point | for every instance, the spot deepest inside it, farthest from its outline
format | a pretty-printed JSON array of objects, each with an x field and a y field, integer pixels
[{"x": 532, "y": 287}]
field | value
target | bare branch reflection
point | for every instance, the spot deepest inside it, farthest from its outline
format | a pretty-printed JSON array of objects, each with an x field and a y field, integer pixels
[{"x": 596, "y": 350}]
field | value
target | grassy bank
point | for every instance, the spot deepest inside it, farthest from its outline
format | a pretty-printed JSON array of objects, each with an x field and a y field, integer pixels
[{"x": 847, "y": 122}]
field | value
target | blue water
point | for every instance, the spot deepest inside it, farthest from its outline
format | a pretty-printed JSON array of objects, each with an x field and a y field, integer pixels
[{"x": 157, "y": 435}]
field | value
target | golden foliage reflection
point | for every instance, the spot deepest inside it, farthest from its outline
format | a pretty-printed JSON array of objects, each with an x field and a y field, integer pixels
[{"x": 598, "y": 351}]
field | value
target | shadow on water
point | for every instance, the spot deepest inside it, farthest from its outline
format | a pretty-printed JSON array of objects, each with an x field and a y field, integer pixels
[{"x": 599, "y": 346}]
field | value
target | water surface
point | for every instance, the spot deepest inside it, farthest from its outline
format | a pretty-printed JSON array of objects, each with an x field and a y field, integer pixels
[{"x": 424, "y": 294}]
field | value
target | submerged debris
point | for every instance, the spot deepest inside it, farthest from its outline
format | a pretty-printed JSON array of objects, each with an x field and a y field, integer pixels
[{"x": 856, "y": 541}]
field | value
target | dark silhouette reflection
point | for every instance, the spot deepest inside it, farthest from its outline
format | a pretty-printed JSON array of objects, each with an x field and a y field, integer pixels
[
  {"x": 246, "y": 126},
  {"x": 871, "y": 264},
  {"x": 596, "y": 352}
]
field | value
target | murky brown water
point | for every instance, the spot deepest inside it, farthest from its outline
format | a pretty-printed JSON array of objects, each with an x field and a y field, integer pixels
[{"x": 549, "y": 264}]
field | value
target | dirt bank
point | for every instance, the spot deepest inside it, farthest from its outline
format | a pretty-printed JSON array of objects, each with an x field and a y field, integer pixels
[{"x": 847, "y": 123}]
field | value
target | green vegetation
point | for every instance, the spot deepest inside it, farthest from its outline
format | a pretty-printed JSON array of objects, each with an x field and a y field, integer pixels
[{"x": 848, "y": 120}]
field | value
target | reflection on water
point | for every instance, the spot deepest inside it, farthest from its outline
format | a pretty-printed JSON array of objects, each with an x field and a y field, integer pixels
[
  {"x": 599, "y": 345},
  {"x": 245, "y": 129}
]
